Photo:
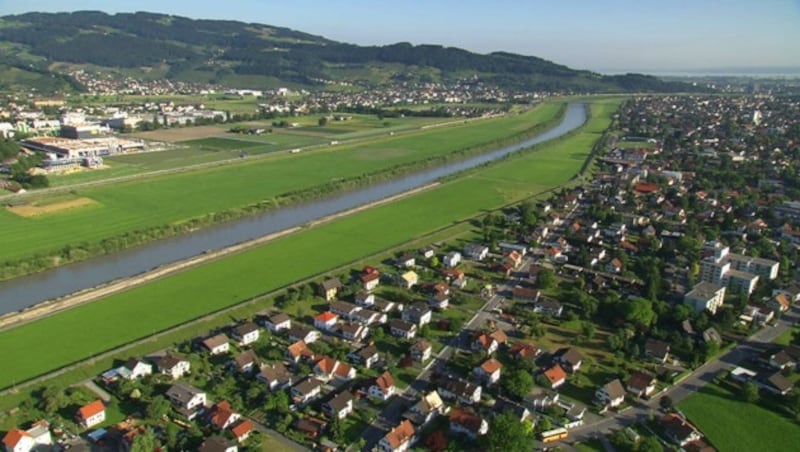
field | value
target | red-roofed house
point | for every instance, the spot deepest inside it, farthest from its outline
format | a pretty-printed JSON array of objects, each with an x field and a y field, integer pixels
[
  {"x": 326, "y": 321},
  {"x": 399, "y": 439},
  {"x": 17, "y": 440},
  {"x": 242, "y": 430},
  {"x": 92, "y": 414},
  {"x": 556, "y": 375},
  {"x": 489, "y": 371},
  {"x": 370, "y": 280},
  {"x": 644, "y": 188},
  {"x": 468, "y": 423},
  {"x": 383, "y": 387},
  {"x": 222, "y": 415}
]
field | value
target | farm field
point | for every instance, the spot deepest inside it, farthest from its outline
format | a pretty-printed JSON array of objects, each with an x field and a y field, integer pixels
[
  {"x": 168, "y": 302},
  {"x": 732, "y": 424},
  {"x": 153, "y": 202}
]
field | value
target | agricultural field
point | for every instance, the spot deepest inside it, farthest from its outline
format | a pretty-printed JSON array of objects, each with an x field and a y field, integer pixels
[
  {"x": 147, "y": 203},
  {"x": 168, "y": 302},
  {"x": 733, "y": 424}
]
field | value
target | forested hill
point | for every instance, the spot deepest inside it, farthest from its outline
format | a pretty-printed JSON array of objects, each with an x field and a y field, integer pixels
[{"x": 250, "y": 55}]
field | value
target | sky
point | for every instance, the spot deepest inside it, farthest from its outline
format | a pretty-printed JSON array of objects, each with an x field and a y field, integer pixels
[{"x": 601, "y": 35}]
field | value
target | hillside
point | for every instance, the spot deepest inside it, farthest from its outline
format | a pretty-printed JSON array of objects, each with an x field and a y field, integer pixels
[{"x": 242, "y": 54}]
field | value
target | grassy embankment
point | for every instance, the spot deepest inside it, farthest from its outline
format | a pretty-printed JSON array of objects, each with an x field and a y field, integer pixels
[
  {"x": 106, "y": 324},
  {"x": 134, "y": 212}
]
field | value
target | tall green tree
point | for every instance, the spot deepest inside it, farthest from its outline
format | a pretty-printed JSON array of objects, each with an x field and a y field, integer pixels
[{"x": 508, "y": 434}]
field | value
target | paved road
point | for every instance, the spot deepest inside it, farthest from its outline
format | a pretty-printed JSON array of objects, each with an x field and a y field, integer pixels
[{"x": 692, "y": 383}]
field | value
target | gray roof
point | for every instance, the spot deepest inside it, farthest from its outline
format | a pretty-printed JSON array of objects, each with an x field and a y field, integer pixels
[
  {"x": 182, "y": 392},
  {"x": 703, "y": 291},
  {"x": 332, "y": 283},
  {"x": 614, "y": 389}
]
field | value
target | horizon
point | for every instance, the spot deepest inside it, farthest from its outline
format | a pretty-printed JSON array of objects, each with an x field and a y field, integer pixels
[{"x": 707, "y": 41}]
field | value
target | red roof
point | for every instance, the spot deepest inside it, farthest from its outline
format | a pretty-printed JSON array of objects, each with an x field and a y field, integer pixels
[
  {"x": 491, "y": 366},
  {"x": 242, "y": 428},
  {"x": 13, "y": 437},
  {"x": 300, "y": 348},
  {"x": 367, "y": 277},
  {"x": 326, "y": 365},
  {"x": 326, "y": 317},
  {"x": 385, "y": 382},
  {"x": 646, "y": 188},
  {"x": 400, "y": 435},
  {"x": 91, "y": 409},
  {"x": 555, "y": 374}
]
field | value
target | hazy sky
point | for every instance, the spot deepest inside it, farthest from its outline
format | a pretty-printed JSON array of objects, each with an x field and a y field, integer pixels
[{"x": 658, "y": 36}]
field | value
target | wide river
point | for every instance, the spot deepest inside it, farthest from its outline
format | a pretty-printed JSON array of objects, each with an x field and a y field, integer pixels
[{"x": 20, "y": 293}]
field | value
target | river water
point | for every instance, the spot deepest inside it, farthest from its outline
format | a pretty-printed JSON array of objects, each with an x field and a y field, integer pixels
[{"x": 20, "y": 293}]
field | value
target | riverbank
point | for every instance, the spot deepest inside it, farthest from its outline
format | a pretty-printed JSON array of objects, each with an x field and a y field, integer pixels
[{"x": 51, "y": 307}]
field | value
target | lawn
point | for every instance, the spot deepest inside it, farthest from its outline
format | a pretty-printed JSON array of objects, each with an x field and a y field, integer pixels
[
  {"x": 153, "y": 202},
  {"x": 168, "y": 302},
  {"x": 732, "y": 424}
]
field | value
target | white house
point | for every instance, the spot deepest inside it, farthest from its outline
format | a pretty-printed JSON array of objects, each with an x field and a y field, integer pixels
[
  {"x": 452, "y": 259},
  {"x": 246, "y": 333},
  {"x": 489, "y": 371},
  {"x": 326, "y": 321},
  {"x": 399, "y": 439},
  {"x": 278, "y": 323},
  {"x": 468, "y": 423},
  {"x": 138, "y": 368},
  {"x": 217, "y": 344},
  {"x": 383, "y": 387},
  {"x": 174, "y": 366},
  {"x": 610, "y": 395},
  {"x": 92, "y": 414},
  {"x": 186, "y": 397}
]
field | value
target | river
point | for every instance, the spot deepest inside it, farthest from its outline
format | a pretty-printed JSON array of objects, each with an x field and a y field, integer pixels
[{"x": 26, "y": 291}]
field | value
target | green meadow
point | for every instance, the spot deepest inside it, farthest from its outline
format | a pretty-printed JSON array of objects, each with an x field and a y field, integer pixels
[
  {"x": 172, "y": 199},
  {"x": 107, "y": 323}
]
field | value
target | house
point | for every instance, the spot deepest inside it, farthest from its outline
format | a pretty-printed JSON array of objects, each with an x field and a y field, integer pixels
[
  {"x": 569, "y": 358},
  {"x": 353, "y": 332},
  {"x": 758, "y": 315},
  {"x": 173, "y": 365},
  {"x": 217, "y": 344},
  {"x": 657, "y": 350},
  {"x": 779, "y": 302},
  {"x": 641, "y": 384},
  {"x": 502, "y": 405},
  {"x": 549, "y": 307},
  {"x": 187, "y": 399},
  {"x": 242, "y": 430},
  {"x": 541, "y": 399},
  {"x": 475, "y": 251},
  {"x": 364, "y": 299},
  {"x": 303, "y": 333},
  {"x": 421, "y": 351},
  {"x": 339, "y": 406},
  {"x": 344, "y": 309},
  {"x": 524, "y": 293},
  {"x": 137, "y": 368},
  {"x": 468, "y": 423},
  {"x": 330, "y": 288},
  {"x": 368, "y": 317},
  {"x": 614, "y": 266},
  {"x": 426, "y": 409},
  {"x": 426, "y": 252},
  {"x": 370, "y": 280},
  {"x": 17, "y": 440},
  {"x": 452, "y": 259},
  {"x": 382, "y": 387},
  {"x": 366, "y": 356},
  {"x": 327, "y": 368},
  {"x": 326, "y": 320},
  {"x": 217, "y": 444},
  {"x": 246, "y": 361},
  {"x": 278, "y": 323},
  {"x": 91, "y": 414},
  {"x": 245, "y": 334},
  {"x": 461, "y": 390},
  {"x": 418, "y": 313},
  {"x": 456, "y": 277},
  {"x": 489, "y": 371},
  {"x": 406, "y": 260},
  {"x": 610, "y": 395},
  {"x": 308, "y": 389},
  {"x": 409, "y": 279},
  {"x": 524, "y": 351},
  {"x": 399, "y": 439},
  {"x": 402, "y": 329},
  {"x": 222, "y": 416},
  {"x": 556, "y": 375},
  {"x": 776, "y": 383},
  {"x": 439, "y": 301},
  {"x": 299, "y": 350},
  {"x": 275, "y": 376},
  {"x": 514, "y": 258},
  {"x": 792, "y": 293},
  {"x": 484, "y": 342},
  {"x": 680, "y": 431}
]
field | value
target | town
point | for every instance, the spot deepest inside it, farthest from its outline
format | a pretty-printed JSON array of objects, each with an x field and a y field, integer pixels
[{"x": 629, "y": 311}]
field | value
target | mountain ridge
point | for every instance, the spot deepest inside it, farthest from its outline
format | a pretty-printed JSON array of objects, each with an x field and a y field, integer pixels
[{"x": 235, "y": 53}]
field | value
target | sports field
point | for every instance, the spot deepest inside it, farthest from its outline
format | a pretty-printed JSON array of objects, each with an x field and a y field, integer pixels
[
  {"x": 153, "y": 202},
  {"x": 732, "y": 424},
  {"x": 105, "y": 324}
]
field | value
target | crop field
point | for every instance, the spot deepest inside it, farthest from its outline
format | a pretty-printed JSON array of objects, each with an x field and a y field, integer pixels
[
  {"x": 176, "y": 134},
  {"x": 176, "y": 198},
  {"x": 732, "y": 424},
  {"x": 171, "y": 301}
]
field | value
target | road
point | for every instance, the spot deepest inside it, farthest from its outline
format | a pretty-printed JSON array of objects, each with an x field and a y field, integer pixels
[{"x": 692, "y": 383}]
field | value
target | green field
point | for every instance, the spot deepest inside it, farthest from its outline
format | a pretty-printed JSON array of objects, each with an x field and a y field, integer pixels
[
  {"x": 152, "y": 202},
  {"x": 732, "y": 424},
  {"x": 106, "y": 324}
]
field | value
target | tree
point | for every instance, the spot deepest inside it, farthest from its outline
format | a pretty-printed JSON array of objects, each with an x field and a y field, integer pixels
[
  {"x": 545, "y": 279},
  {"x": 587, "y": 330},
  {"x": 145, "y": 441},
  {"x": 639, "y": 312},
  {"x": 749, "y": 392},
  {"x": 157, "y": 408},
  {"x": 665, "y": 402},
  {"x": 323, "y": 121},
  {"x": 508, "y": 434},
  {"x": 518, "y": 383}
]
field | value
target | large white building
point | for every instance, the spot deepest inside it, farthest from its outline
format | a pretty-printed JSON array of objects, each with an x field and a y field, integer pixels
[
  {"x": 739, "y": 273},
  {"x": 705, "y": 296}
]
